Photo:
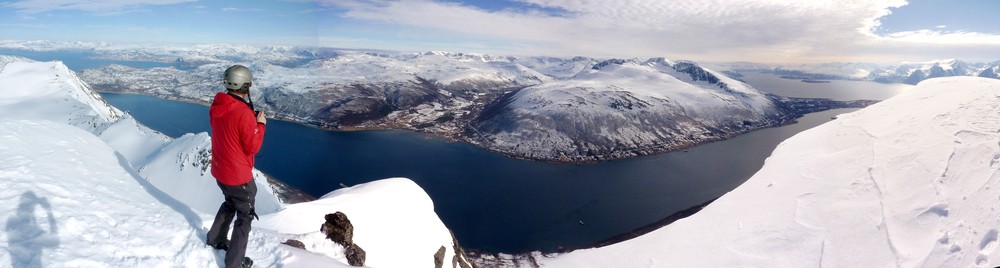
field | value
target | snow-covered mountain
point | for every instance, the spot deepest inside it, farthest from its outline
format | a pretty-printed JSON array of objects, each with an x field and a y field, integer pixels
[
  {"x": 621, "y": 108},
  {"x": 909, "y": 182},
  {"x": 556, "y": 109},
  {"x": 86, "y": 185}
]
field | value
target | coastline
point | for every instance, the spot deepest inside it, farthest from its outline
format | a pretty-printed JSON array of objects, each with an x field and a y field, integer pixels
[
  {"x": 791, "y": 118},
  {"x": 286, "y": 193},
  {"x": 530, "y": 259}
]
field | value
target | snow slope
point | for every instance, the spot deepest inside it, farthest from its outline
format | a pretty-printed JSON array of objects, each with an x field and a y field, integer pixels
[
  {"x": 70, "y": 200},
  {"x": 87, "y": 185},
  {"x": 909, "y": 182}
]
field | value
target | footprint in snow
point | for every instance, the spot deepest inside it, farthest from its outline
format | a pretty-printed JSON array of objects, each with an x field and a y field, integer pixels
[{"x": 986, "y": 247}]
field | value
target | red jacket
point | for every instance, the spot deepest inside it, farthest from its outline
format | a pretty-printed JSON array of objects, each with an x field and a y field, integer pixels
[{"x": 236, "y": 137}]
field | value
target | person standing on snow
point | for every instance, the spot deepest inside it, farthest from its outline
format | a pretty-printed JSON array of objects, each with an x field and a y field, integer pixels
[{"x": 237, "y": 134}]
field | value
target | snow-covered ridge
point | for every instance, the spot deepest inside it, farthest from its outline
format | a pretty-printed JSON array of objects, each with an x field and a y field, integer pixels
[
  {"x": 909, "y": 182},
  {"x": 87, "y": 185}
]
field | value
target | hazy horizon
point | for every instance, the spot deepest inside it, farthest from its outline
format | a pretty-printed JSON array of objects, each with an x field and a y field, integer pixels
[{"x": 759, "y": 31}]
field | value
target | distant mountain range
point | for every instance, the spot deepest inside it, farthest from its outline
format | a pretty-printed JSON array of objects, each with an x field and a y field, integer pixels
[
  {"x": 909, "y": 72},
  {"x": 542, "y": 108}
]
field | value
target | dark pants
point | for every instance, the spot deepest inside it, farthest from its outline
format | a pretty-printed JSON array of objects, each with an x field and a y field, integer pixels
[{"x": 239, "y": 202}]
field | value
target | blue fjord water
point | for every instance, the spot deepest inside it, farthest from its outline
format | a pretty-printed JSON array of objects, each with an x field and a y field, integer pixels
[
  {"x": 79, "y": 61},
  {"x": 491, "y": 202}
]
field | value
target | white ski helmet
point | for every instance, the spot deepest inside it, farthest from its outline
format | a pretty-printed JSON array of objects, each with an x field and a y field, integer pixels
[{"x": 236, "y": 77}]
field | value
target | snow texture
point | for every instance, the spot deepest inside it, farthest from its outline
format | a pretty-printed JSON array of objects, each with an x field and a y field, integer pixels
[
  {"x": 909, "y": 182},
  {"x": 85, "y": 185}
]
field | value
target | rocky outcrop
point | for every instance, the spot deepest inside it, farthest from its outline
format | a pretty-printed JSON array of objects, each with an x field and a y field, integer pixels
[
  {"x": 295, "y": 244},
  {"x": 338, "y": 229},
  {"x": 439, "y": 257},
  {"x": 460, "y": 259},
  {"x": 696, "y": 72}
]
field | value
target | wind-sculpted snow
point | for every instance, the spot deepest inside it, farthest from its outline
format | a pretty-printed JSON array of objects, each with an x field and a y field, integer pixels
[
  {"x": 85, "y": 185},
  {"x": 70, "y": 200},
  {"x": 909, "y": 182},
  {"x": 58, "y": 95}
]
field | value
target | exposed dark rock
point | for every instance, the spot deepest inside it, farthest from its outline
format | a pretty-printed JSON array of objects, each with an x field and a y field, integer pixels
[
  {"x": 498, "y": 260},
  {"x": 696, "y": 72},
  {"x": 460, "y": 259},
  {"x": 295, "y": 244},
  {"x": 605, "y": 63},
  {"x": 355, "y": 255},
  {"x": 338, "y": 229},
  {"x": 439, "y": 257}
]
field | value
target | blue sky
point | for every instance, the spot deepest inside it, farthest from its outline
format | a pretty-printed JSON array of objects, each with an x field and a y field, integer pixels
[
  {"x": 976, "y": 16},
  {"x": 169, "y": 21},
  {"x": 777, "y": 31}
]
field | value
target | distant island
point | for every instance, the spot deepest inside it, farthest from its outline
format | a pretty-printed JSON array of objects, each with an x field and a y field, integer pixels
[{"x": 815, "y": 81}]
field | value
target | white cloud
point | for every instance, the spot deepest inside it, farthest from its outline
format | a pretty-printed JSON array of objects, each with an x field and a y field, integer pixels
[
  {"x": 932, "y": 37},
  {"x": 756, "y": 30},
  {"x": 127, "y": 28},
  {"x": 236, "y": 9},
  {"x": 26, "y": 25},
  {"x": 97, "y": 7}
]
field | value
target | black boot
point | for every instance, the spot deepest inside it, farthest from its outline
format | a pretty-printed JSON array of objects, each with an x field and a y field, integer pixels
[
  {"x": 247, "y": 262},
  {"x": 224, "y": 245}
]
